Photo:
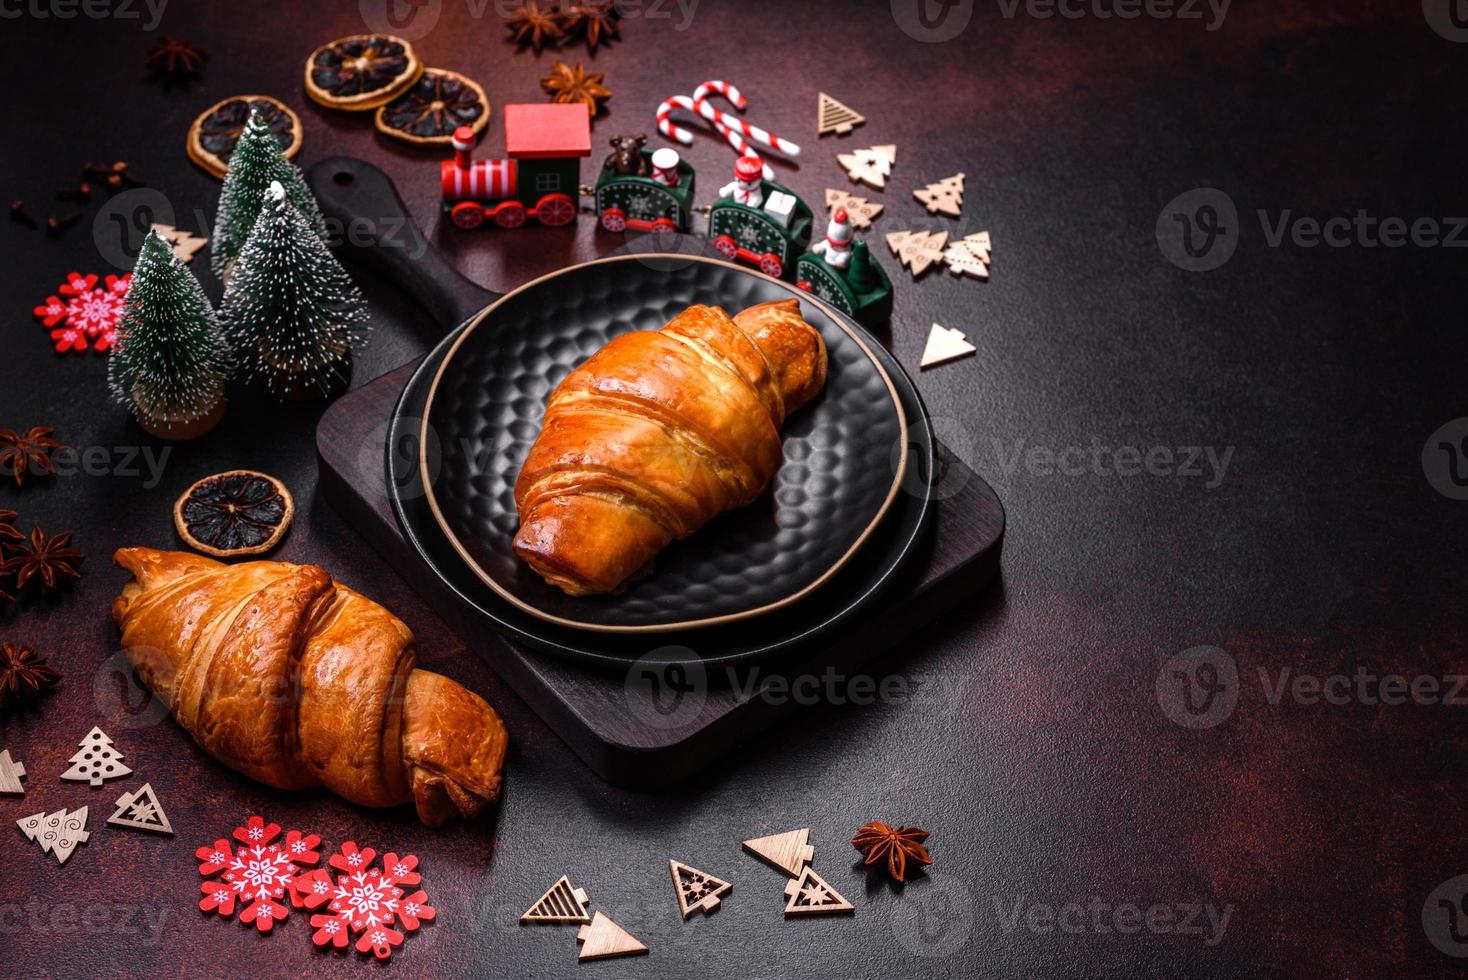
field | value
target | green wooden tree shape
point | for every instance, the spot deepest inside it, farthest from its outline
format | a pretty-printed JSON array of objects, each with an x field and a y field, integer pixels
[
  {"x": 290, "y": 310},
  {"x": 256, "y": 162}
]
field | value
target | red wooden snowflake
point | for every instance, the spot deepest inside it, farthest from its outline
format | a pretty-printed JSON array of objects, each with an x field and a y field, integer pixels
[
  {"x": 84, "y": 314},
  {"x": 257, "y": 874},
  {"x": 365, "y": 900}
]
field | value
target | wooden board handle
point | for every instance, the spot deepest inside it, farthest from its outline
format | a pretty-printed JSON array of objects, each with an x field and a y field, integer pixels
[{"x": 365, "y": 212}]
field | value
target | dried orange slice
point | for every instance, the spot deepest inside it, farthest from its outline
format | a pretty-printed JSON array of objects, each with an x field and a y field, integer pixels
[
  {"x": 239, "y": 512},
  {"x": 361, "y": 72},
  {"x": 213, "y": 135},
  {"x": 438, "y": 103}
]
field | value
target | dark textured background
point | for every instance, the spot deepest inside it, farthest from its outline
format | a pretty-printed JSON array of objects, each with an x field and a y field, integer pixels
[{"x": 1035, "y": 749}]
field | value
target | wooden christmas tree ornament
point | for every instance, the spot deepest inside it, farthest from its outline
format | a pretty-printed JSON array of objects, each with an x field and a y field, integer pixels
[
  {"x": 141, "y": 811},
  {"x": 871, "y": 166},
  {"x": 861, "y": 212},
  {"x": 945, "y": 345},
  {"x": 969, "y": 256},
  {"x": 833, "y": 116},
  {"x": 603, "y": 939},
  {"x": 95, "y": 761},
  {"x": 918, "y": 250},
  {"x": 560, "y": 903},
  {"x": 184, "y": 244},
  {"x": 11, "y": 773},
  {"x": 944, "y": 197},
  {"x": 58, "y": 833},
  {"x": 697, "y": 890},
  {"x": 789, "y": 851},
  {"x": 811, "y": 895}
]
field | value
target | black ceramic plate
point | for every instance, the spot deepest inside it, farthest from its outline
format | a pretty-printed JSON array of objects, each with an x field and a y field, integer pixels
[
  {"x": 844, "y": 454},
  {"x": 880, "y": 562}
]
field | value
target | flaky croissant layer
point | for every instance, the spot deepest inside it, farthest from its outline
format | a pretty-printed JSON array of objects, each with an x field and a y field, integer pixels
[{"x": 296, "y": 680}]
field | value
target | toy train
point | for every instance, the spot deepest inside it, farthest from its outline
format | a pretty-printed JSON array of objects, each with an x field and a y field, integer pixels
[{"x": 755, "y": 221}]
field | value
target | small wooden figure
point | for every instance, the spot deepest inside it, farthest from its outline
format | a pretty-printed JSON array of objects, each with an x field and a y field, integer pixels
[
  {"x": 836, "y": 117},
  {"x": 944, "y": 197},
  {"x": 58, "y": 833},
  {"x": 11, "y": 773},
  {"x": 862, "y": 212},
  {"x": 96, "y": 760},
  {"x": 811, "y": 895},
  {"x": 560, "y": 903},
  {"x": 944, "y": 345},
  {"x": 789, "y": 851},
  {"x": 603, "y": 939},
  {"x": 697, "y": 890},
  {"x": 871, "y": 166},
  {"x": 918, "y": 250},
  {"x": 141, "y": 811}
]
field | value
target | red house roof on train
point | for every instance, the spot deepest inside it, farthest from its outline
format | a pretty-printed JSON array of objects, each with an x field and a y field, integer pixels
[{"x": 547, "y": 130}]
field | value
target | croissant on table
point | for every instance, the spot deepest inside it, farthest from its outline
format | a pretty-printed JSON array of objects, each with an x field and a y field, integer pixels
[
  {"x": 658, "y": 432},
  {"x": 295, "y": 680}
]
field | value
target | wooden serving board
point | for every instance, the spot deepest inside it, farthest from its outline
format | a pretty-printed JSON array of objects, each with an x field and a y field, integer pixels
[{"x": 658, "y": 726}]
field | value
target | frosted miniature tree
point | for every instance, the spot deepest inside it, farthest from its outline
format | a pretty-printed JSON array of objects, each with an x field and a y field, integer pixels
[
  {"x": 291, "y": 312},
  {"x": 257, "y": 161},
  {"x": 96, "y": 760}
]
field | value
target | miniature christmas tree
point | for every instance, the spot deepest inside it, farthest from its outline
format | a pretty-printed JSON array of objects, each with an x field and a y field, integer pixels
[
  {"x": 946, "y": 196},
  {"x": 291, "y": 311},
  {"x": 170, "y": 361},
  {"x": 871, "y": 166},
  {"x": 256, "y": 162},
  {"x": 96, "y": 760}
]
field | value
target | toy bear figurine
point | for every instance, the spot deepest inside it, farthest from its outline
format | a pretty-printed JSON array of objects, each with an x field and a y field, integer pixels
[{"x": 627, "y": 158}]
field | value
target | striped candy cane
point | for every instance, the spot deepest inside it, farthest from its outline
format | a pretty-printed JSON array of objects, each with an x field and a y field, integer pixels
[
  {"x": 673, "y": 131},
  {"x": 735, "y": 124}
]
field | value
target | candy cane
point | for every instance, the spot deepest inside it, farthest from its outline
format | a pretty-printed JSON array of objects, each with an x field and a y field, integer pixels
[
  {"x": 667, "y": 127},
  {"x": 734, "y": 123}
]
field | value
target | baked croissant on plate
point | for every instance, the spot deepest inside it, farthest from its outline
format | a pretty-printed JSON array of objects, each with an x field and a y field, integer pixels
[
  {"x": 658, "y": 432},
  {"x": 297, "y": 681}
]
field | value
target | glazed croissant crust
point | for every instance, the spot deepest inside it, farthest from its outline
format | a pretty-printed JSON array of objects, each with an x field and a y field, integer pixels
[
  {"x": 658, "y": 432},
  {"x": 295, "y": 680}
]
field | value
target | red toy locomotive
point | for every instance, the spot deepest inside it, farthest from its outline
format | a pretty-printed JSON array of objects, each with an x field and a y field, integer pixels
[{"x": 540, "y": 179}]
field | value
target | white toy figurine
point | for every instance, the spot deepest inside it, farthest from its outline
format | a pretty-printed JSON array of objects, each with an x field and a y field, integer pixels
[
  {"x": 746, "y": 188},
  {"x": 837, "y": 247}
]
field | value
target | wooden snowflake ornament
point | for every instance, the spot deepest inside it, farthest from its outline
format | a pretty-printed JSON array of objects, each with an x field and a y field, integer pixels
[
  {"x": 603, "y": 939},
  {"x": 560, "y": 903},
  {"x": 365, "y": 900},
  {"x": 141, "y": 811},
  {"x": 96, "y": 760},
  {"x": 58, "y": 833},
  {"x": 944, "y": 197},
  {"x": 12, "y": 771},
  {"x": 698, "y": 891},
  {"x": 811, "y": 895},
  {"x": 257, "y": 874},
  {"x": 918, "y": 250},
  {"x": 871, "y": 166},
  {"x": 789, "y": 851},
  {"x": 861, "y": 212}
]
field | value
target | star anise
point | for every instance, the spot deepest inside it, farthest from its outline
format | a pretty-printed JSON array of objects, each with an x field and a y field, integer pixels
[
  {"x": 536, "y": 27},
  {"x": 49, "y": 559},
  {"x": 27, "y": 451},
  {"x": 176, "y": 60},
  {"x": 23, "y": 674},
  {"x": 897, "y": 844},
  {"x": 595, "y": 20},
  {"x": 567, "y": 84}
]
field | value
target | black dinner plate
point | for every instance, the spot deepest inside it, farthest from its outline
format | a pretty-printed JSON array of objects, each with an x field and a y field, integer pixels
[
  {"x": 844, "y": 454},
  {"x": 898, "y": 536}
]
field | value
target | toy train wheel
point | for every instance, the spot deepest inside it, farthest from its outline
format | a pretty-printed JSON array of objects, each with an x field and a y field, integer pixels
[
  {"x": 726, "y": 247},
  {"x": 510, "y": 214},
  {"x": 663, "y": 225},
  {"x": 614, "y": 219},
  {"x": 805, "y": 286},
  {"x": 770, "y": 265},
  {"x": 467, "y": 214},
  {"x": 555, "y": 210}
]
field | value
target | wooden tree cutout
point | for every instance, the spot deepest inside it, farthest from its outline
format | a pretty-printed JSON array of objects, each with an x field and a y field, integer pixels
[
  {"x": 96, "y": 760},
  {"x": 871, "y": 166},
  {"x": 560, "y": 903},
  {"x": 918, "y": 250},
  {"x": 946, "y": 196},
  {"x": 604, "y": 939},
  {"x": 789, "y": 851},
  {"x": 969, "y": 256},
  {"x": 184, "y": 244},
  {"x": 58, "y": 833},
  {"x": 944, "y": 345},
  {"x": 11, "y": 773},
  {"x": 697, "y": 890},
  {"x": 811, "y": 895},
  {"x": 141, "y": 811},
  {"x": 861, "y": 212},
  {"x": 836, "y": 117}
]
